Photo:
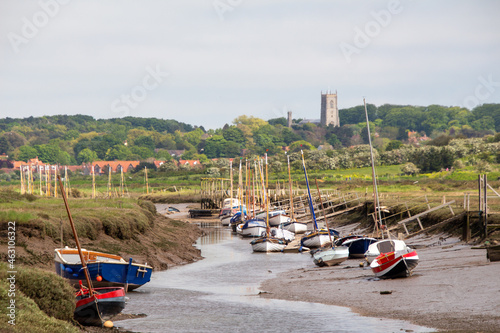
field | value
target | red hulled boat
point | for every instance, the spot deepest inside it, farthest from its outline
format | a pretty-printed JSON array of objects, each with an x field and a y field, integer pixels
[{"x": 394, "y": 264}]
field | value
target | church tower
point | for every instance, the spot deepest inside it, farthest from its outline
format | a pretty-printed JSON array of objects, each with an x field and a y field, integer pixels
[{"x": 329, "y": 109}]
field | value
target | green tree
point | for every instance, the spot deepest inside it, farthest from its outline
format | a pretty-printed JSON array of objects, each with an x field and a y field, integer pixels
[
  {"x": 145, "y": 141},
  {"x": 234, "y": 134},
  {"x": 86, "y": 156},
  {"x": 118, "y": 152},
  {"x": 393, "y": 144},
  {"x": 26, "y": 153}
]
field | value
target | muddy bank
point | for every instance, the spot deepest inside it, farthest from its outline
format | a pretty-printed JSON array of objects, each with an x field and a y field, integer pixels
[{"x": 454, "y": 288}]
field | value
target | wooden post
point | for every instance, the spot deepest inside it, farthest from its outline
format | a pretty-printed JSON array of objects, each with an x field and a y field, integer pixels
[{"x": 485, "y": 206}]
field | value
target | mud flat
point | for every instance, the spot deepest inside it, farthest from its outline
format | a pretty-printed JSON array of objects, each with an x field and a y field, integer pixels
[{"x": 454, "y": 288}]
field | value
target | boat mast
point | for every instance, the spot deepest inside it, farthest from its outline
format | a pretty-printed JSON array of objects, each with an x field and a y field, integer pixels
[
  {"x": 290, "y": 185},
  {"x": 80, "y": 253},
  {"x": 315, "y": 224},
  {"x": 374, "y": 177},
  {"x": 324, "y": 213},
  {"x": 231, "y": 180}
]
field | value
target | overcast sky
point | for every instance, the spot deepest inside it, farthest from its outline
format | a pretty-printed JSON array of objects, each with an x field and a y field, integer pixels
[{"x": 206, "y": 62}]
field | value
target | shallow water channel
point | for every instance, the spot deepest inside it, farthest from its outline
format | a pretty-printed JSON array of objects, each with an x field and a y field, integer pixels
[{"x": 220, "y": 294}]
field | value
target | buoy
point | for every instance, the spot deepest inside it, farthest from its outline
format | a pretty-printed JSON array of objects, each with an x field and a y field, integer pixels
[
  {"x": 99, "y": 278},
  {"x": 361, "y": 264},
  {"x": 108, "y": 324}
]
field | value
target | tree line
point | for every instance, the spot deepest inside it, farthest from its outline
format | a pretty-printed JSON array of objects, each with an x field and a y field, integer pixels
[{"x": 396, "y": 130}]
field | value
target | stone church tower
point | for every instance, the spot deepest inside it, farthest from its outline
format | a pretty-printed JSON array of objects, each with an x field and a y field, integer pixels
[{"x": 329, "y": 109}]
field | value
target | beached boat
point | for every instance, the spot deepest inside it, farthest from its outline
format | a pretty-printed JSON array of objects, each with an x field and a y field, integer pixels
[
  {"x": 253, "y": 228},
  {"x": 268, "y": 244},
  {"x": 394, "y": 264},
  {"x": 281, "y": 233},
  {"x": 319, "y": 238},
  {"x": 295, "y": 226},
  {"x": 236, "y": 220},
  {"x": 103, "y": 304},
  {"x": 227, "y": 213},
  {"x": 385, "y": 246},
  {"x": 93, "y": 306},
  {"x": 105, "y": 269},
  {"x": 278, "y": 217},
  {"x": 330, "y": 256},
  {"x": 358, "y": 246}
]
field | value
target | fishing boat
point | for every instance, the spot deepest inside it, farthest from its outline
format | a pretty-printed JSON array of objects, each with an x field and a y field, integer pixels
[
  {"x": 105, "y": 303},
  {"x": 331, "y": 256},
  {"x": 105, "y": 270},
  {"x": 385, "y": 246},
  {"x": 394, "y": 264},
  {"x": 358, "y": 246},
  {"x": 93, "y": 306}
]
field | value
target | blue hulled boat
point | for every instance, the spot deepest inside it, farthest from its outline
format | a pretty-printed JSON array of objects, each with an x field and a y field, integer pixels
[
  {"x": 358, "y": 246},
  {"x": 105, "y": 270}
]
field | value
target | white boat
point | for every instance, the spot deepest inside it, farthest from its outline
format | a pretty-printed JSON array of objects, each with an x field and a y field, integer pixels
[
  {"x": 228, "y": 212},
  {"x": 282, "y": 234},
  {"x": 331, "y": 256},
  {"x": 278, "y": 217},
  {"x": 253, "y": 228},
  {"x": 394, "y": 264},
  {"x": 318, "y": 238},
  {"x": 295, "y": 226},
  {"x": 268, "y": 244},
  {"x": 385, "y": 246}
]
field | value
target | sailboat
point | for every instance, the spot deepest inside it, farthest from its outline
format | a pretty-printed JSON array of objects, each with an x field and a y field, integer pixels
[
  {"x": 267, "y": 243},
  {"x": 293, "y": 225},
  {"x": 318, "y": 237},
  {"x": 93, "y": 306},
  {"x": 395, "y": 262},
  {"x": 329, "y": 255}
]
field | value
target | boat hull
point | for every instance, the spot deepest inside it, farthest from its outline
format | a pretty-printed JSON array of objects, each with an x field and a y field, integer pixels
[
  {"x": 331, "y": 256},
  {"x": 295, "y": 227},
  {"x": 386, "y": 246},
  {"x": 358, "y": 246},
  {"x": 105, "y": 303},
  {"x": 225, "y": 220},
  {"x": 112, "y": 273},
  {"x": 278, "y": 219},
  {"x": 318, "y": 238},
  {"x": 268, "y": 244},
  {"x": 253, "y": 228},
  {"x": 394, "y": 265}
]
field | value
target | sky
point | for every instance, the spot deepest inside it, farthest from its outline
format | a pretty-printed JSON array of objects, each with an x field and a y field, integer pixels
[{"x": 207, "y": 62}]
